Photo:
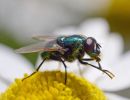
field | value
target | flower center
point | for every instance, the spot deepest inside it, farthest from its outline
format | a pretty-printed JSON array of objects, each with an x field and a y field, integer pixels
[{"x": 49, "y": 85}]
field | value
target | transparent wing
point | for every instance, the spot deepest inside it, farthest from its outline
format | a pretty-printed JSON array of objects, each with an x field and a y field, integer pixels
[
  {"x": 41, "y": 46},
  {"x": 45, "y": 37},
  {"x": 51, "y": 37}
]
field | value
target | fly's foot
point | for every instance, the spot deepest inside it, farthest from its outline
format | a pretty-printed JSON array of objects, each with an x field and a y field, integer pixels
[
  {"x": 29, "y": 76},
  {"x": 110, "y": 74}
]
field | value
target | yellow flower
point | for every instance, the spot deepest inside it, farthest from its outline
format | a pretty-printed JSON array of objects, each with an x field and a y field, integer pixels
[{"x": 49, "y": 85}]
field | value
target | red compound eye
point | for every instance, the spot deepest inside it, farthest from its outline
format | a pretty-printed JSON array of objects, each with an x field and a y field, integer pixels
[
  {"x": 91, "y": 46},
  {"x": 89, "y": 41}
]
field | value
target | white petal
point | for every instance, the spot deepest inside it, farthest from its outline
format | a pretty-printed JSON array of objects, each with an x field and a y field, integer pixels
[
  {"x": 3, "y": 86},
  {"x": 121, "y": 70},
  {"x": 112, "y": 49},
  {"x": 42, "y": 16},
  {"x": 66, "y": 31},
  {"x": 12, "y": 65},
  {"x": 92, "y": 74},
  {"x": 115, "y": 97},
  {"x": 97, "y": 28}
]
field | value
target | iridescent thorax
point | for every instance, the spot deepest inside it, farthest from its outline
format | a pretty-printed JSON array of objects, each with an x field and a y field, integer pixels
[
  {"x": 75, "y": 45},
  {"x": 70, "y": 41}
]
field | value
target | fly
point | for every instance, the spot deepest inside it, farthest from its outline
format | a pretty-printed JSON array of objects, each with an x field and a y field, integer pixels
[{"x": 66, "y": 48}]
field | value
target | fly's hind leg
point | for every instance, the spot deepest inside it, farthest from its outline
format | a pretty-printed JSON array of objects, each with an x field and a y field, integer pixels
[{"x": 34, "y": 71}]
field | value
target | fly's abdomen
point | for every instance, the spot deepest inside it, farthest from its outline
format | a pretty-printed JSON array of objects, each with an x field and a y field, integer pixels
[{"x": 45, "y": 55}]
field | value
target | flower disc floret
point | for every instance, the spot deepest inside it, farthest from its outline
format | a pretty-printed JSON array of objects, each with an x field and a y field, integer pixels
[{"x": 49, "y": 85}]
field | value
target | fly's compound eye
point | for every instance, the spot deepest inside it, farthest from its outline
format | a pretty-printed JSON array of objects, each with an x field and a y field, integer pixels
[
  {"x": 90, "y": 42},
  {"x": 92, "y": 46}
]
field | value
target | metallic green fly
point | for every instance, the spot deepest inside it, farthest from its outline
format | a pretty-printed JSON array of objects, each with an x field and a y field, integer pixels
[{"x": 66, "y": 48}]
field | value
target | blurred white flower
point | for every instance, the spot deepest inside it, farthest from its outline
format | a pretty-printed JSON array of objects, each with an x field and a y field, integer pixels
[
  {"x": 113, "y": 59},
  {"x": 12, "y": 65},
  {"x": 43, "y": 16}
]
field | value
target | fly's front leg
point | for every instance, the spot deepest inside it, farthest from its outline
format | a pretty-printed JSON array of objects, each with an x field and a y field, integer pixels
[
  {"x": 35, "y": 71},
  {"x": 80, "y": 70},
  {"x": 82, "y": 61},
  {"x": 87, "y": 59},
  {"x": 110, "y": 74}
]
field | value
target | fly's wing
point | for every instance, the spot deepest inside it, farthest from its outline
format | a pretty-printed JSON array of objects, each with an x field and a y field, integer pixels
[
  {"x": 45, "y": 37},
  {"x": 51, "y": 37},
  {"x": 39, "y": 47}
]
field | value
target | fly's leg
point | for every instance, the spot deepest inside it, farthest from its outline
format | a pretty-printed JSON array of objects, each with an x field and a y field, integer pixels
[
  {"x": 35, "y": 71},
  {"x": 88, "y": 59},
  {"x": 110, "y": 74},
  {"x": 57, "y": 57},
  {"x": 65, "y": 69},
  {"x": 80, "y": 70},
  {"x": 83, "y": 61}
]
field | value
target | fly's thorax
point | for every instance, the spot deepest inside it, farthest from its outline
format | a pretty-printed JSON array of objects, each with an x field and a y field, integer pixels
[
  {"x": 74, "y": 45},
  {"x": 70, "y": 41},
  {"x": 60, "y": 41}
]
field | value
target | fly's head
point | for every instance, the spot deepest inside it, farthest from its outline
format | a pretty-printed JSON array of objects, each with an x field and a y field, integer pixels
[{"x": 92, "y": 48}]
